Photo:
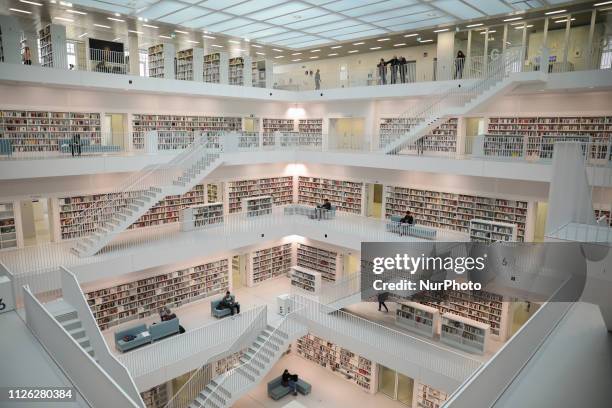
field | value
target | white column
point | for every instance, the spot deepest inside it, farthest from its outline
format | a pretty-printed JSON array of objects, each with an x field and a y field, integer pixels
[
  {"x": 247, "y": 73},
  {"x": 461, "y": 125},
  {"x": 10, "y": 39},
  {"x": 269, "y": 74},
  {"x": 134, "y": 68},
  {"x": 31, "y": 38},
  {"x": 446, "y": 55},
  {"x": 169, "y": 56},
  {"x": 198, "y": 64},
  {"x": 58, "y": 41},
  {"x": 223, "y": 68},
  {"x": 566, "y": 41}
]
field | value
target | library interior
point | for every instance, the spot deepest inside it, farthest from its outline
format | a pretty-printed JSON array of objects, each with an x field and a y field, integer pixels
[{"x": 190, "y": 191}]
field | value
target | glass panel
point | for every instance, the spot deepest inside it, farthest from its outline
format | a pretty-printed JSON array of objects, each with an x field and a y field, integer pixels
[
  {"x": 386, "y": 381},
  {"x": 602, "y": 40},
  {"x": 577, "y": 48},
  {"x": 405, "y": 387},
  {"x": 495, "y": 40},
  {"x": 555, "y": 41}
]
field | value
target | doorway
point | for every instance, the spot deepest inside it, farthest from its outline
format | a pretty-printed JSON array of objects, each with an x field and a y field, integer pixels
[
  {"x": 374, "y": 194},
  {"x": 395, "y": 385},
  {"x": 346, "y": 133},
  {"x": 35, "y": 221},
  {"x": 115, "y": 123},
  {"x": 473, "y": 128},
  {"x": 239, "y": 265},
  {"x": 540, "y": 224},
  {"x": 251, "y": 124},
  {"x": 521, "y": 311}
]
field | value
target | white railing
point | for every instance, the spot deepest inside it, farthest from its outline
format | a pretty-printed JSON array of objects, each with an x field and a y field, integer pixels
[
  {"x": 573, "y": 231},
  {"x": 341, "y": 289},
  {"x": 93, "y": 383},
  {"x": 201, "y": 378},
  {"x": 108, "y": 62},
  {"x": 73, "y": 295},
  {"x": 194, "y": 348}
]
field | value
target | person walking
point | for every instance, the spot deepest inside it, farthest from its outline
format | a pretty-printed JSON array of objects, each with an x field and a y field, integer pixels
[
  {"x": 382, "y": 72},
  {"x": 317, "y": 79},
  {"x": 382, "y": 296},
  {"x": 459, "y": 64}
]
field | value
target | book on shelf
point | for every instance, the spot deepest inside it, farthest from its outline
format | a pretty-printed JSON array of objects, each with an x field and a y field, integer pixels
[
  {"x": 321, "y": 260},
  {"x": 344, "y": 195},
  {"x": 442, "y": 139},
  {"x": 256, "y": 206},
  {"x": 306, "y": 280},
  {"x": 8, "y": 227},
  {"x": 270, "y": 263},
  {"x": 487, "y": 231},
  {"x": 236, "y": 71},
  {"x": 429, "y": 397},
  {"x": 418, "y": 318},
  {"x": 279, "y": 188},
  {"x": 201, "y": 216},
  {"x": 464, "y": 333}
]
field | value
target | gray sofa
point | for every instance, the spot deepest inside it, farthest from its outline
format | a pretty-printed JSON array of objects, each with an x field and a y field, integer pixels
[
  {"x": 310, "y": 212},
  {"x": 164, "y": 329},
  {"x": 140, "y": 339},
  {"x": 218, "y": 313},
  {"x": 276, "y": 390},
  {"x": 394, "y": 225}
]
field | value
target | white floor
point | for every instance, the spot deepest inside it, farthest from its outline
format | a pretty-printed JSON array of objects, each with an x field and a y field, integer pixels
[{"x": 329, "y": 390}]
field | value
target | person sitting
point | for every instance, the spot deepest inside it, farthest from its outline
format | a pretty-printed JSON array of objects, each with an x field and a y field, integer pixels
[
  {"x": 290, "y": 380},
  {"x": 320, "y": 208},
  {"x": 407, "y": 219},
  {"x": 166, "y": 314},
  {"x": 229, "y": 302}
]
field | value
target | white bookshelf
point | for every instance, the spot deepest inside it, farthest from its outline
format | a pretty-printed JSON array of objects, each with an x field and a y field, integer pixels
[
  {"x": 442, "y": 139},
  {"x": 310, "y": 126},
  {"x": 419, "y": 318},
  {"x": 306, "y": 279},
  {"x": 464, "y": 333},
  {"x": 604, "y": 210},
  {"x": 156, "y": 397},
  {"x": 144, "y": 297},
  {"x": 161, "y": 61},
  {"x": 389, "y": 129},
  {"x": 269, "y": 263},
  {"x": 73, "y": 224},
  {"x": 344, "y": 195},
  {"x": 328, "y": 263},
  {"x": 52, "y": 45},
  {"x": 213, "y": 193},
  {"x": 279, "y": 188},
  {"x": 271, "y": 126},
  {"x": 190, "y": 64},
  {"x": 429, "y": 397},
  {"x": 491, "y": 231},
  {"x": 178, "y": 131},
  {"x": 201, "y": 216},
  {"x": 8, "y": 227},
  {"x": 259, "y": 71},
  {"x": 454, "y": 211},
  {"x": 256, "y": 206},
  {"x": 43, "y": 131},
  {"x": 225, "y": 364},
  {"x": 350, "y": 366},
  {"x": 216, "y": 69},
  {"x": 237, "y": 71}
]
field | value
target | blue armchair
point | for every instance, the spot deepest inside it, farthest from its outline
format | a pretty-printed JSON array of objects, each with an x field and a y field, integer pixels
[
  {"x": 164, "y": 329},
  {"x": 218, "y": 313}
]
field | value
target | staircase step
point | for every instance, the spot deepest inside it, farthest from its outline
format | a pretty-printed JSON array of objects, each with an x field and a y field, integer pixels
[
  {"x": 256, "y": 361},
  {"x": 216, "y": 395},
  {"x": 89, "y": 350},
  {"x": 220, "y": 388},
  {"x": 246, "y": 374},
  {"x": 254, "y": 371},
  {"x": 71, "y": 324},
  {"x": 199, "y": 402},
  {"x": 77, "y": 333}
]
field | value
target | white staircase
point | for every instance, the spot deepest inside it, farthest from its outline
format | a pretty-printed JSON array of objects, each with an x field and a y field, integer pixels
[
  {"x": 142, "y": 191},
  {"x": 459, "y": 100},
  {"x": 68, "y": 317}
]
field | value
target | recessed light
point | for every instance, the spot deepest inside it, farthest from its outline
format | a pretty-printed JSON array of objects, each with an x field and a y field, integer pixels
[
  {"x": 335, "y": 47},
  {"x": 375, "y": 48},
  {"x": 279, "y": 56},
  {"x": 215, "y": 45},
  {"x": 602, "y": 4},
  {"x": 193, "y": 42},
  {"x": 399, "y": 45},
  {"x": 260, "y": 53},
  {"x": 297, "y": 53},
  {"x": 150, "y": 26},
  {"x": 490, "y": 31},
  {"x": 233, "y": 41},
  {"x": 247, "y": 40},
  {"x": 441, "y": 30},
  {"x": 474, "y": 25},
  {"x": 115, "y": 19},
  {"x": 523, "y": 26},
  {"x": 65, "y": 3},
  {"x": 102, "y": 26},
  {"x": 69, "y": 20},
  {"x": 134, "y": 31},
  {"x": 424, "y": 41},
  {"x": 181, "y": 32},
  {"x": 117, "y": 39},
  {"x": 383, "y": 39},
  {"x": 359, "y": 43},
  {"x": 296, "y": 60},
  {"x": 166, "y": 36},
  {"x": 564, "y": 20},
  {"x": 555, "y": 12},
  {"x": 411, "y": 35},
  {"x": 315, "y": 57},
  {"x": 82, "y": 35},
  {"x": 353, "y": 51},
  {"x": 513, "y": 19},
  {"x": 255, "y": 45},
  {"x": 210, "y": 37},
  {"x": 515, "y": 24},
  {"x": 332, "y": 54},
  {"x": 277, "y": 50},
  {"x": 76, "y": 12},
  {"x": 315, "y": 50},
  {"x": 117, "y": 14},
  {"x": 30, "y": 2},
  {"x": 20, "y": 11}
]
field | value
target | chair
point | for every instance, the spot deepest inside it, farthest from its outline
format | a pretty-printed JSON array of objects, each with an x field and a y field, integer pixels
[
  {"x": 138, "y": 341},
  {"x": 276, "y": 390},
  {"x": 218, "y": 313},
  {"x": 164, "y": 329}
]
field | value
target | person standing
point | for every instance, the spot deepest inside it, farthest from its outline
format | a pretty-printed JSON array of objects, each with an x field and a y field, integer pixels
[
  {"x": 75, "y": 146},
  {"x": 317, "y": 79},
  {"x": 459, "y": 64},
  {"x": 394, "y": 68},
  {"x": 403, "y": 68},
  {"x": 27, "y": 56},
  {"x": 382, "y": 72}
]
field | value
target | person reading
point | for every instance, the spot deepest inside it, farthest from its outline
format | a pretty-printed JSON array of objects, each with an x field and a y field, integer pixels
[
  {"x": 229, "y": 302},
  {"x": 290, "y": 380},
  {"x": 407, "y": 219},
  {"x": 325, "y": 206},
  {"x": 166, "y": 314}
]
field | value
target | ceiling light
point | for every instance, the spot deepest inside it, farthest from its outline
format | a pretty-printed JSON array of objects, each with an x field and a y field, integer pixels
[
  {"x": 117, "y": 39},
  {"x": 115, "y": 19},
  {"x": 239, "y": 49},
  {"x": 139, "y": 18},
  {"x": 150, "y": 26},
  {"x": 296, "y": 60},
  {"x": 277, "y": 50},
  {"x": 353, "y": 51},
  {"x": 424, "y": 41},
  {"x": 375, "y": 48},
  {"x": 102, "y": 26},
  {"x": 69, "y": 20},
  {"x": 20, "y": 11},
  {"x": 332, "y": 54},
  {"x": 399, "y": 45},
  {"x": 52, "y": 1},
  {"x": 279, "y": 56},
  {"x": 65, "y": 4},
  {"x": 165, "y": 36},
  {"x": 411, "y": 35},
  {"x": 215, "y": 45},
  {"x": 31, "y": 2},
  {"x": 564, "y": 20},
  {"x": 335, "y": 47},
  {"x": 315, "y": 57},
  {"x": 555, "y": 12},
  {"x": 296, "y": 53},
  {"x": 596, "y": 4},
  {"x": 515, "y": 24},
  {"x": 234, "y": 41},
  {"x": 513, "y": 19},
  {"x": 117, "y": 15},
  {"x": 181, "y": 32},
  {"x": 134, "y": 31},
  {"x": 359, "y": 43},
  {"x": 383, "y": 39},
  {"x": 210, "y": 37},
  {"x": 247, "y": 40},
  {"x": 490, "y": 31},
  {"x": 315, "y": 50},
  {"x": 255, "y": 45},
  {"x": 474, "y": 25},
  {"x": 523, "y": 26},
  {"x": 260, "y": 53},
  {"x": 441, "y": 30},
  {"x": 76, "y": 12},
  {"x": 82, "y": 35}
]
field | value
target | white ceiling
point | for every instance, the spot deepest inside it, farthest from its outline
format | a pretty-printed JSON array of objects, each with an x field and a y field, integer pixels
[{"x": 298, "y": 24}]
